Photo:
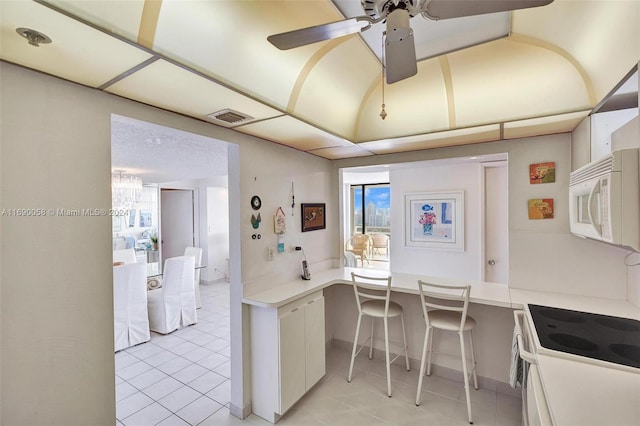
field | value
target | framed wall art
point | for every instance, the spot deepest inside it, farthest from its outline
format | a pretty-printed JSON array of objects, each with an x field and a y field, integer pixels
[
  {"x": 435, "y": 220},
  {"x": 313, "y": 216},
  {"x": 542, "y": 172}
]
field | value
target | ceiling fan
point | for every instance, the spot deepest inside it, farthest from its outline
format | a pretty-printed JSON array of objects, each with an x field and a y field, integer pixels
[{"x": 399, "y": 46}]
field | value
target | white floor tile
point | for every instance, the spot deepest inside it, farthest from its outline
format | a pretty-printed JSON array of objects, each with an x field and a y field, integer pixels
[
  {"x": 198, "y": 410},
  {"x": 207, "y": 381},
  {"x": 189, "y": 373},
  {"x": 133, "y": 370},
  {"x": 147, "y": 378},
  {"x": 174, "y": 365},
  {"x": 212, "y": 361},
  {"x": 197, "y": 354},
  {"x": 173, "y": 420},
  {"x": 162, "y": 388},
  {"x": 132, "y": 404},
  {"x": 150, "y": 415},
  {"x": 221, "y": 393},
  {"x": 123, "y": 390},
  {"x": 180, "y": 398}
]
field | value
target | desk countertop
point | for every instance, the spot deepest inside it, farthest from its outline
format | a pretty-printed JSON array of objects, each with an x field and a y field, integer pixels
[{"x": 481, "y": 292}]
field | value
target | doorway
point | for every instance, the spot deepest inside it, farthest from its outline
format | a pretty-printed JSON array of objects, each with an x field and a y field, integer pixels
[
  {"x": 178, "y": 229},
  {"x": 496, "y": 222}
]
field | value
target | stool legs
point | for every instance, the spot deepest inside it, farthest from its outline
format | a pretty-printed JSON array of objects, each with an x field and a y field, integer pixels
[
  {"x": 473, "y": 361},
  {"x": 355, "y": 346},
  {"x": 373, "y": 320},
  {"x": 404, "y": 341},
  {"x": 466, "y": 376},
  {"x": 386, "y": 354},
  {"x": 423, "y": 360}
]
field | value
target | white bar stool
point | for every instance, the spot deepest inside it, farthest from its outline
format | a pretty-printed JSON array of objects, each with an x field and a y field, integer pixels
[
  {"x": 449, "y": 313},
  {"x": 373, "y": 301}
]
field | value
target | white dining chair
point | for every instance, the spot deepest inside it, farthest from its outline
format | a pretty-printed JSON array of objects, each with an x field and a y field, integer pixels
[
  {"x": 449, "y": 305},
  {"x": 196, "y": 253},
  {"x": 131, "y": 322},
  {"x": 373, "y": 296},
  {"x": 173, "y": 305}
]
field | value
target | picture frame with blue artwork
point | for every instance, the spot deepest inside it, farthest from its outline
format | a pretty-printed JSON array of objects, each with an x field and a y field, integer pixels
[{"x": 435, "y": 220}]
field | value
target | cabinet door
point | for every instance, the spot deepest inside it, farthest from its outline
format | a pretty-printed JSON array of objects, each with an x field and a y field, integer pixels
[
  {"x": 314, "y": 341},
  {"x": 292, "y": 360}
]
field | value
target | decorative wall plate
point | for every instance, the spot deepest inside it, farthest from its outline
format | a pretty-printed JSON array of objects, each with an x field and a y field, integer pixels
[{"x": 256, "y": 202}]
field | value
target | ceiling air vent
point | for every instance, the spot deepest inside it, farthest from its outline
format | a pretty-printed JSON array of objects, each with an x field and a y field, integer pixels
[{"x": 229, "y": 117}]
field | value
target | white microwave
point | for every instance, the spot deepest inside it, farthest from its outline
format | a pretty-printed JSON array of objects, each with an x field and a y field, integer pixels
[{"x": 604, "y": 200}]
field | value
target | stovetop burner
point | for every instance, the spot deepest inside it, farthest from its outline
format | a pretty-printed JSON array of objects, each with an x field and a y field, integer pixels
[{"x": 595, "y": 336}]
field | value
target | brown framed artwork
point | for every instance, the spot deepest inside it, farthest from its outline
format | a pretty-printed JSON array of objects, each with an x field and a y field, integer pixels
[{"x": 313, "y": 216}]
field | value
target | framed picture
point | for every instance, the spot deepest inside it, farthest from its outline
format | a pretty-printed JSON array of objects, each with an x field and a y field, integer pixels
[
  {"x": 313, "y": 217},
  {"x": 542, "y": 173},
  {"x": 435, "y": 220},
  {"x": 145, "y": 218},
  {"x": 540, "y": 208}
]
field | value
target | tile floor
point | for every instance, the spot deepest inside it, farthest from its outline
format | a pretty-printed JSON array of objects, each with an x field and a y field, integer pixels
[{"x": 183, "y": 379}]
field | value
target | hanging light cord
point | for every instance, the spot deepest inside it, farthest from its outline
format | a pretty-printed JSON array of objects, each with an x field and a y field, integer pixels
[{"x": 383, "y": 113}]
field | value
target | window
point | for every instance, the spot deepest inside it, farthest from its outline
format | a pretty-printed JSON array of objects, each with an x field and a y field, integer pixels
[{"x": 371, "y": 211}]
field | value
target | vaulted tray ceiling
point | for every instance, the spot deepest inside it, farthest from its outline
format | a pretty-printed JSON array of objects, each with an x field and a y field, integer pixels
[{"x": 547, "y": 72}]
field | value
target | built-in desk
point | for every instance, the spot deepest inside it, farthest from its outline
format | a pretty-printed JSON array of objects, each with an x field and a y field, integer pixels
[
  {"x": 288, "y": 336},
  {"x": 481, "y": 292}
]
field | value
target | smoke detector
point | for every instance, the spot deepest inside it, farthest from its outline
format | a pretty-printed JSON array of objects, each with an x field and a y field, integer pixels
[{"x": 228, "y": 117}]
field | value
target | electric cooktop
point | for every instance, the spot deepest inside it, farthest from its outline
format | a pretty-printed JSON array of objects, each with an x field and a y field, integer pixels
[{"x": 601, "y": 337}]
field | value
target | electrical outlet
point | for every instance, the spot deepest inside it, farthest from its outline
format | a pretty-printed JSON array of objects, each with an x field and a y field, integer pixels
[{"x": 269, "y": 253}]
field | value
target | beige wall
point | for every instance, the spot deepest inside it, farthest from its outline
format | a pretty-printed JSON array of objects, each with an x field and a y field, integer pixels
[
  {"x": 55, "y": 276},
  {"x": 543, "y": 255}
]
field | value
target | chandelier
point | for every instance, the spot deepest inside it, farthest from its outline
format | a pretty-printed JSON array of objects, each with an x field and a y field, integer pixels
[{"x": 126, "y": 190}]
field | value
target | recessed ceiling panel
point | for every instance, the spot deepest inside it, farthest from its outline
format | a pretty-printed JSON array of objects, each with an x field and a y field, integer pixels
[
  {"x": 544, "y": 126},
  {"x": 168, "y": 86},
  {"x": 414, "y": 106},
  {"x": 121, "y": 17},
  {"x": 341, "y": 152},
  {"x": 228, "y": 40},
  {"x": 507, "y": 80},
  {"x": 339, "y": 100},
  {"x": 77, "y": 52},
  {"x": 434, "y": 140},
  {"x": 289, "y": 131}
]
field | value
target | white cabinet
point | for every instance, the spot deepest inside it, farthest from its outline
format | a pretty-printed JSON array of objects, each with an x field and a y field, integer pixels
[{"x": 287, "y": 354}]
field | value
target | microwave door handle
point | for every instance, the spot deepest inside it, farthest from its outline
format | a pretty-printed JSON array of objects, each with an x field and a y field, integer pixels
[{"x": 595, "y": 190}]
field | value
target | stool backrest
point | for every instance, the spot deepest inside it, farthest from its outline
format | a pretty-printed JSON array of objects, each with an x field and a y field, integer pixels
[
  {"x": 371, "y": 288},
  {"x": 444, "y": 297}
]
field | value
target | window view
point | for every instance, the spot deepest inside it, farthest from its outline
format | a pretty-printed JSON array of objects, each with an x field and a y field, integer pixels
[{"x": 371, "y": 224}]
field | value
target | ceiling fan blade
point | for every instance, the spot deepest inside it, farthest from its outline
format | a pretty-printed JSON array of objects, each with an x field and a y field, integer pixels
[
  {"x": 304, "y": 36},
  {"x": 399, "y": 47},
  {"x": 446, "y": 9}
]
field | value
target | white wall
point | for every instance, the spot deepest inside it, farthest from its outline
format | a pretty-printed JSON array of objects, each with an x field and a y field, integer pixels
[
  {"x": 55, "y": 284},
  {"x": 424, "y": 178}
]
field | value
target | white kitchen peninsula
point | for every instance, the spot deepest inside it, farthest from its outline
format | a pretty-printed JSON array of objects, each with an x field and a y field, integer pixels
[{"x": 287, "y": 332}]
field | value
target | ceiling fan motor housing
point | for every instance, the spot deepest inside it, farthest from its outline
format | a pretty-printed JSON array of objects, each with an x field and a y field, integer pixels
[{"x": 382, "y": 8}]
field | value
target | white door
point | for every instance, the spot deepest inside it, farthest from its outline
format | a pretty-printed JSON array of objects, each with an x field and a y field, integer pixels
[
  {"x": 496, "y": 255},
  {"x": 176, "y": 217}
]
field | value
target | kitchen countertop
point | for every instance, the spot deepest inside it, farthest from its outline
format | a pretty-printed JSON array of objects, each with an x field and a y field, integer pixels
[
  {"x": 580, "y": 393},
  {"x": 481, "y": 292}
]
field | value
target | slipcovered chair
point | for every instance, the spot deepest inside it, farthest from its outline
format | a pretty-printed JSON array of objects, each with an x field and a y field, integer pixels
[
  {"x": 125, "y": 256},
  {"x": 131, "y": 323},
  {"x": 173, "y": 305},
  {"x": 350, "y": 260},
  {"x": 196, "y": 252},
  {"x": 358, "y": 244}
]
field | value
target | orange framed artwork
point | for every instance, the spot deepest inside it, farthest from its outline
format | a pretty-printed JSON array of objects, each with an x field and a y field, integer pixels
[
  {"x": 541, "y": 208},
  {"x": 542, "y": 172}
]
